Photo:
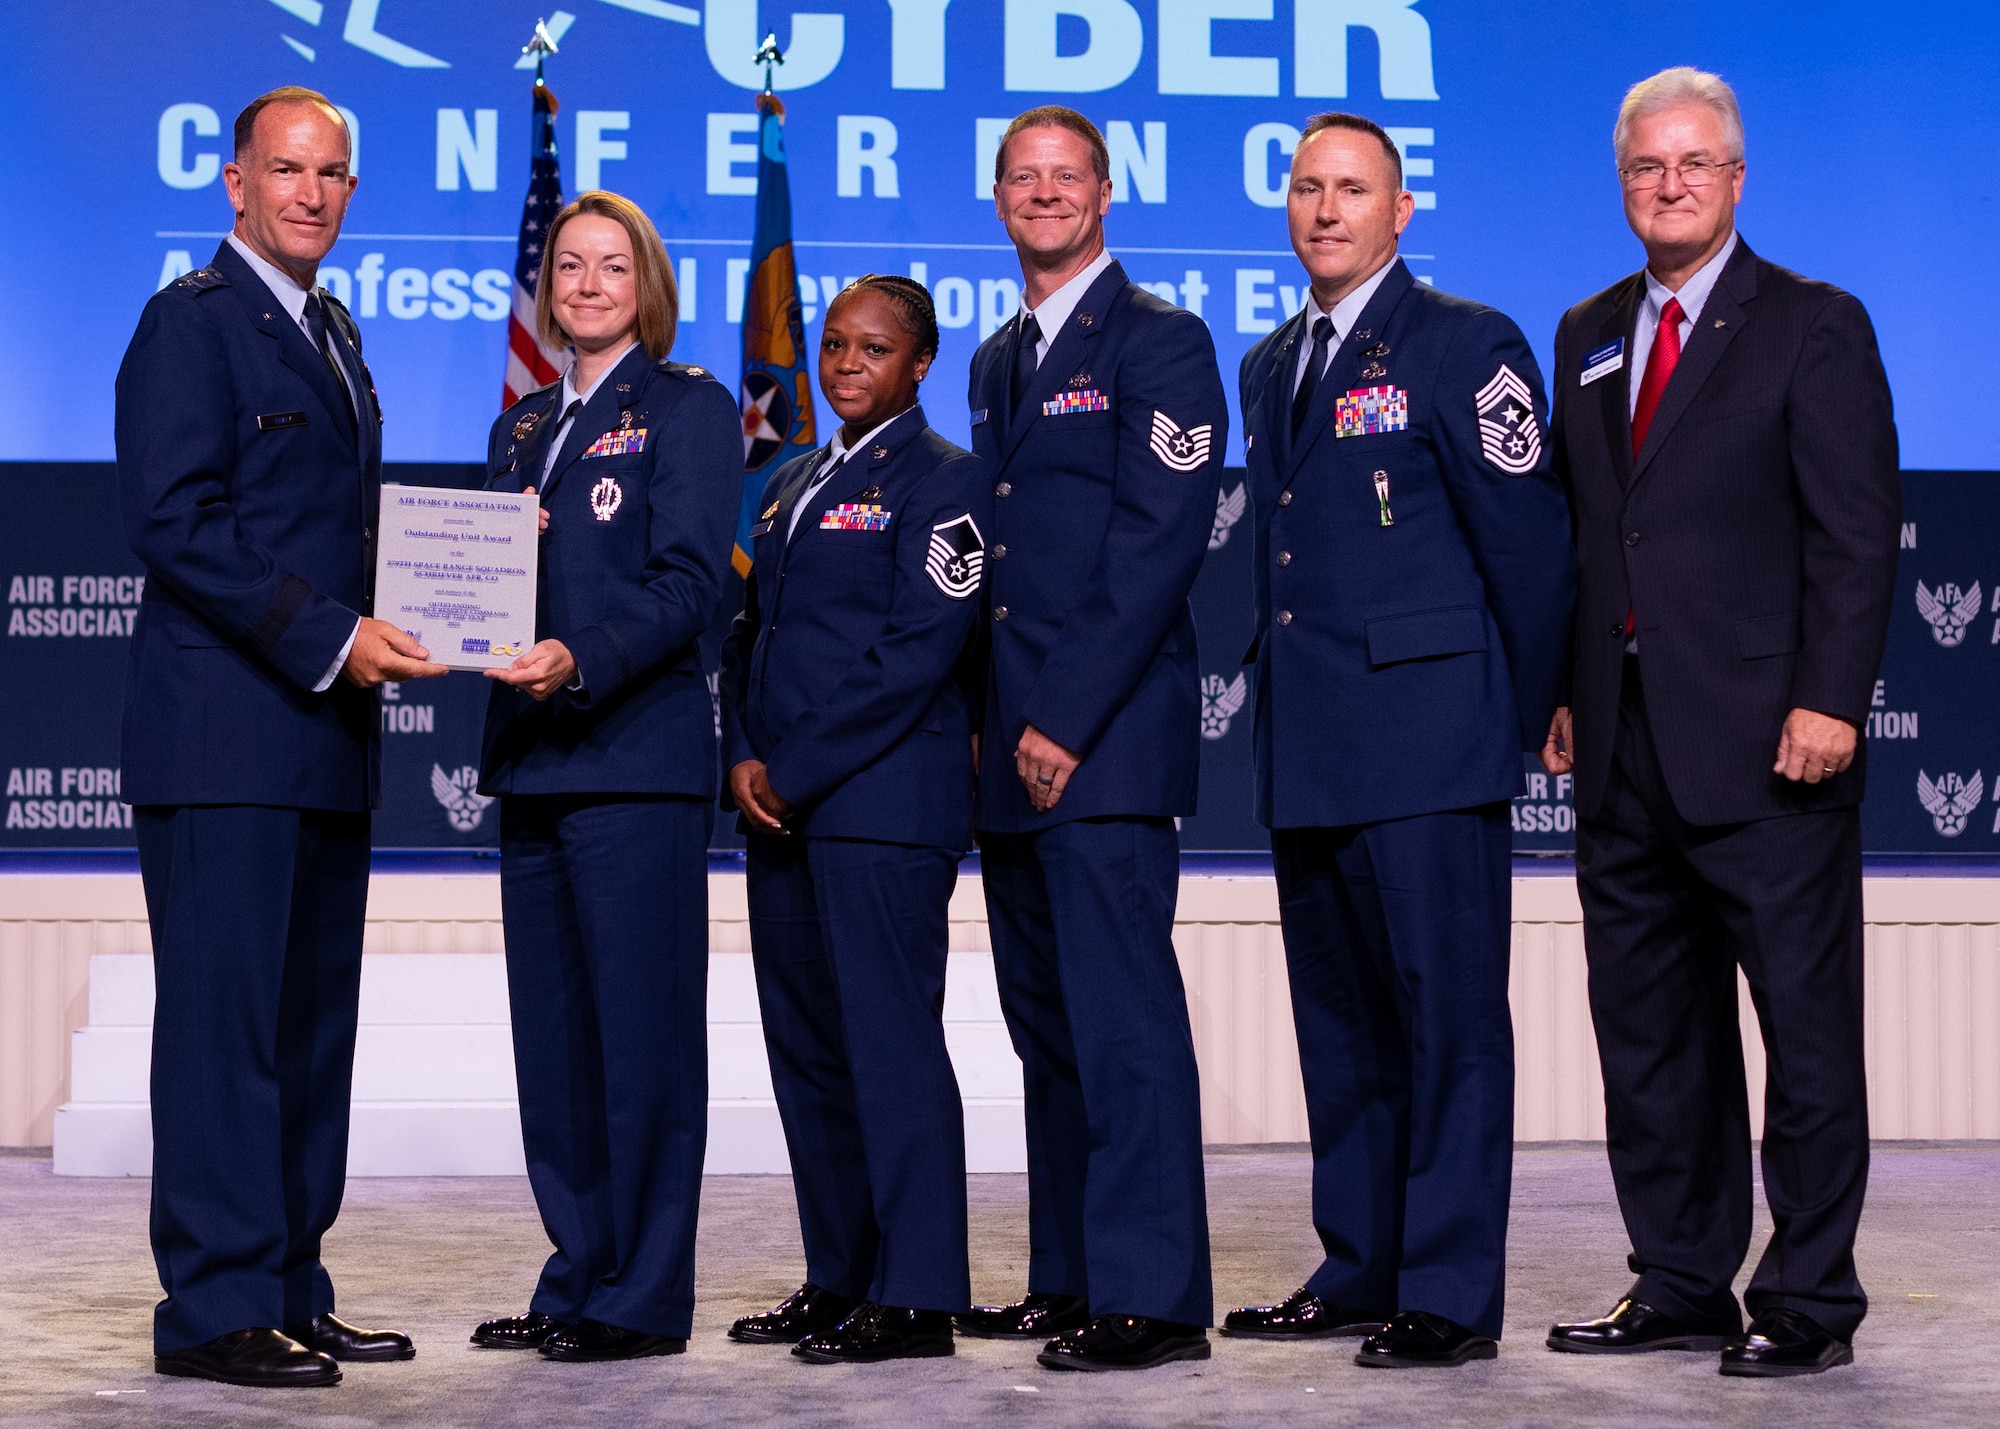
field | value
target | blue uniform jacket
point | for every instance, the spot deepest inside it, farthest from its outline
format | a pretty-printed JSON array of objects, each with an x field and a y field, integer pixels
[
  {"x": 642, "y": 508},
  {"x": 1404, "y": 660},
  {"x": 840, "y": 674},
  {"x": 1105, "y": 482},
  {"x": 249, "y": 492}
]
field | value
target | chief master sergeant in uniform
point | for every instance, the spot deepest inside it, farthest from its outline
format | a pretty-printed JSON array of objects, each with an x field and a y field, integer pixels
[
  {"x": 1103, "y": 416},
  {"x": 249, "y": 471},
  {"x": 1413, "y": 585}
]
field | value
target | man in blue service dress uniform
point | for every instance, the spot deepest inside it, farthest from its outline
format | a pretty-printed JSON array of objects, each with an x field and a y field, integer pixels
[
  {"x": 1414, "y": 582},
  {"x": 249, "y": 469},
  {"x": 1100, "y": 409}
]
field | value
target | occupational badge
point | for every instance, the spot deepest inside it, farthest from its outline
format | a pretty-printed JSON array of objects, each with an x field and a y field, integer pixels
[
  {"x": 1508, "y": 432},
  {"x": 1178, "y": 448},
  {"x": 1370, "y": 411},
  {"x": 606, "y": 497},
  {"x": 956, "y": 557},
  {"x": 526, "y": 425}
]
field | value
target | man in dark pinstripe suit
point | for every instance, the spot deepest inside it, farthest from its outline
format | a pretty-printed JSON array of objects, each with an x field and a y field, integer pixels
[{"x": 1724, "y": 430}]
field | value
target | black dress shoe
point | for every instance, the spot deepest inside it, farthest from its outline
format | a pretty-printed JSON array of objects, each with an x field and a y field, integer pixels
[
  {"x": 806, "y": 1311},
  {"x": 1632, "y": 1328},
  {"x": 1784, "y": 1342},
  {"x": 1124, "y": 1342},
  {"x": 1415, "y": 1338},
  {"x": 591, "y": 1341},
  {"x": 260, "y": 1359},
  {"x": 331, "y": 1335},
  {"x": 880, "y": 1332},
  {"x": 1036, "y": 1317},
  {"x": 1304, "y": 1316},
  {"x": 518, "y": 1332}
]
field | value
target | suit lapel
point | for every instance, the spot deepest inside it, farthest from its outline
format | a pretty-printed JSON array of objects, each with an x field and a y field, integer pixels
[
  {"x": 1616, "y": 396},
  {"x": 1722, "y": 317},
  {"x": 1343, "y": 369},
  {"x": 1069, "y": 353}
]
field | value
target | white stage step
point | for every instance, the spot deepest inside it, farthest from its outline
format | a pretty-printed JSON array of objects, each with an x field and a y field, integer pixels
[{"x": 434, "y": 1071}]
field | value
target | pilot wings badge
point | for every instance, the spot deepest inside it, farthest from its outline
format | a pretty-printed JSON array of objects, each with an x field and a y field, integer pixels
[
  {"x": 1950, "y": 801},
  {"x": 956, "y": 557},
  {"x": 463, "y": 804},
  {"x": 1229, "y": 507},
  {"x": 1220, "y": 701},
  {"x": 1180, "y": 450},
  {"x": 1508, "y": 432},
  {"x": 1950, "y": 610}
]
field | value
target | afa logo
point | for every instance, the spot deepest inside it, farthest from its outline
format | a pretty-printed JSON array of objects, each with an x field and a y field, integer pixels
[
  {"x": 1229, "y": 508},
  {"x": 459, "y": 792},
  {"x": 1950, "y": 610},
  {"x": 1950, "y": 801},
  {"x": 1220, "y": 702}
]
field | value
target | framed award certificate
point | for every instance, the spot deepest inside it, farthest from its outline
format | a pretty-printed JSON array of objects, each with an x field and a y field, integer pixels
[{"x": 456, "y": 570}]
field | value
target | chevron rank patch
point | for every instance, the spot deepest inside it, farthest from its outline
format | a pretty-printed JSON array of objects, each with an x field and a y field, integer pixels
[
  {"x": 1180, "y": 449},
  {"x": 1508, "y": 432},
  {"x": 1366, "y": 411},
  {"x": 956, "y": 557},
  {"x": 619, "y": 441}
]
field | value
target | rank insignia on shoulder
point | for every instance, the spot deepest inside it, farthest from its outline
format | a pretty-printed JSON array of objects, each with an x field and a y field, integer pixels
[
  {"x": 619, "y": 441},
  {"x": 770, "y": 511},
  {"x": 956, "y": 556},
  {"x": 1370, "y": 411},
  {"x": 526, "y": 425},
  {"x": 1508, "y": 432},
  {"x": 1064, "y": 403},
  {"x": 697, "y": 372},
  {"x": 850, "y": 516},
  {"x": 1180, "y": 448}
]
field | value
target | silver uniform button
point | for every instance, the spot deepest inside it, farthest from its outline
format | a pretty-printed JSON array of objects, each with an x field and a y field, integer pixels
[
  {"x": 999, "y": 612},
  {"x": 1005, "y": 488},
  {"x": 1284, "y": 558},
  {"x": 1284, "y": 617},
  {"x": 1284, "y": 498},
  {"x": 999, "y": 553}
]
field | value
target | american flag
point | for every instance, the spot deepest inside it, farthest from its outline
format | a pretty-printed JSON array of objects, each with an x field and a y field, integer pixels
[{"x": 530, "y": 363}]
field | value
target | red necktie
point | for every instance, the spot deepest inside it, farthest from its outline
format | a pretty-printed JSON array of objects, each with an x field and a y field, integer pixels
[{"x": 1659, "y": 367}]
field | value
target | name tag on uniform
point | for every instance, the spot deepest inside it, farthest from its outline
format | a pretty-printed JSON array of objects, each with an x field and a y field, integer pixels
[
  {"x": 1607, "y": 359},
  {"x": 1368, "y": 411},
  {"x": 978, "y": 416},
  {"x": 1088, "y": 400},
  {"x": 762, "y": 528},
  {"x": 273, "y": 421},
  {"x": 849, "y": 516},
  {"x": 619, "y": 441}
]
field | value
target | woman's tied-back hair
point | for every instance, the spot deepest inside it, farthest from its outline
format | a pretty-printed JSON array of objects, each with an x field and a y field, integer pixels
[
  {"x": 912, "y": 302},
  {"x": 659, "y": 297}
]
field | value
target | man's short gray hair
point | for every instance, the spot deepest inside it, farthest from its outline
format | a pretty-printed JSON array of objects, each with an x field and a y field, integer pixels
[{"x": 1683, "y": 84}]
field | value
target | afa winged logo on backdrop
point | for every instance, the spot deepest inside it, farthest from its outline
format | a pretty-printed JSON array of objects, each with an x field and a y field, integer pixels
[
  {"x": 1221, "y": 700},
  {"x": 459, "y": 792},
  {"x": 1229, "y": 509},
  {"x": 1950, "y": 610},
  {"x": 1950, "y": 800}
]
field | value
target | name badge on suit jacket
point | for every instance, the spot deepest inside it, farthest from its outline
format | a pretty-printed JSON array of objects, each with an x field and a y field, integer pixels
[{"x": 1603, "y": 362}]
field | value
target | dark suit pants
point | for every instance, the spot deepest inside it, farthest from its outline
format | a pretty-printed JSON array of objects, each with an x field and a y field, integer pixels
[
  {"x": 257, "y": 916},
  {"x": 1396, "y": 939},
  {"x": 1670, "y": 911},
  {"x": 606, "y": 906},
  {"x": 1082, "y": 919},
  {"x": 849, "y": 941}
]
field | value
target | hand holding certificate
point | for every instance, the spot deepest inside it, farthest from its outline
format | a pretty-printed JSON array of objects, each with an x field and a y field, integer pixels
[{"x": 456, "y": 570}]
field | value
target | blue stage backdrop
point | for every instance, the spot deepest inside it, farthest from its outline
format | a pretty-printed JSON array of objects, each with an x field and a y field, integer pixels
[
  {"x": 1871, "y": 136},
  {"x": 73, "y": 590}
]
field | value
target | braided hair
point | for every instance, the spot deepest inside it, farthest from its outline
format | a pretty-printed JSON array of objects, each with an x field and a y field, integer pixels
[{"x": 912, "y": 302}]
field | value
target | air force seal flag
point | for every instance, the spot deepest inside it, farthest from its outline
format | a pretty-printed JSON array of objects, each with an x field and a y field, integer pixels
[{"x": 956, "y": 558}]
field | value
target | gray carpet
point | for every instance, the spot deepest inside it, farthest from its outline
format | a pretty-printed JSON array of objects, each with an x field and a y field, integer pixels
[{"x": 435, "y": 1256}]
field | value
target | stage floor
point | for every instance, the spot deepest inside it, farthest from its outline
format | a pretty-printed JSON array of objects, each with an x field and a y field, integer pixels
[{"x": 433, "y": 1256}]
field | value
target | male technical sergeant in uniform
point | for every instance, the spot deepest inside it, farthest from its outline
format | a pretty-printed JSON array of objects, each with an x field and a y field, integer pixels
[
  {"x": 249, "y": 471},
  {"x": 1413, "y": 582},
  {"x": 1102, "y": 414}
]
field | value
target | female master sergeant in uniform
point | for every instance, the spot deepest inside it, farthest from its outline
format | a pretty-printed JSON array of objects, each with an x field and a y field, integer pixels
[
  {"x": 600, "y": 743},
  {"x": 849, "y": 747}
]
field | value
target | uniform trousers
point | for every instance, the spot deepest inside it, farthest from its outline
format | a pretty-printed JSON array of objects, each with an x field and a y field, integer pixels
[
  {"x": 1082, "y": 917},
  {"x": 605, "y": 901},
  {"x": 257, "y": 917},
  {"x": 1396, "y": 940},
  {"x": 849, "y": 942},
  {"x": 1671, "y": 911}
]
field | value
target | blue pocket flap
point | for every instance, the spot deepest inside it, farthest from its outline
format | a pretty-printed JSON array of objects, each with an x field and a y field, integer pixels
[{"x": 1455, "y": 630}]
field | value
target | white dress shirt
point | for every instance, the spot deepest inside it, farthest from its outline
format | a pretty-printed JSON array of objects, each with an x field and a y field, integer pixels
[
  {"x": 838, "y": 451},
  {"x": 1345, "y": 314},
  {"x": 285, "y": 288},
  {"x": 1693, "y": 295},
  {"x": 1057, "y": 306}
]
